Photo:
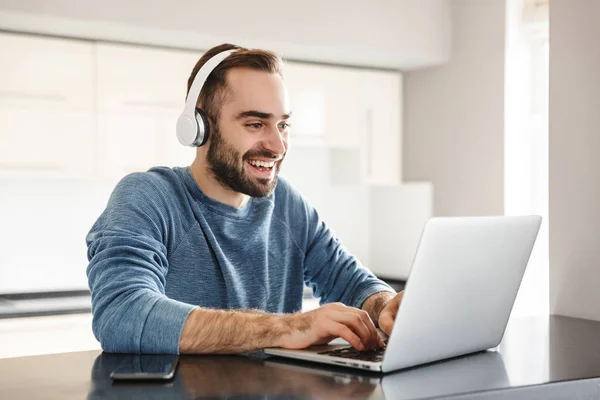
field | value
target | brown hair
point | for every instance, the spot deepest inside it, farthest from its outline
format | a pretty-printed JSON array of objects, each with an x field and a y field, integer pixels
[{"x": 214, "y": 92}]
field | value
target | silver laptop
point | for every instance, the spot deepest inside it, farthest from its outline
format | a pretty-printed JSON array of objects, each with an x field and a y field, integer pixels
[{"x": 462, "y": 286}]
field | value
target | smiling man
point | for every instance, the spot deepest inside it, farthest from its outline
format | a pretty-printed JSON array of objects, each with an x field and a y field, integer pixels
[{"x": 213, "y": 258}]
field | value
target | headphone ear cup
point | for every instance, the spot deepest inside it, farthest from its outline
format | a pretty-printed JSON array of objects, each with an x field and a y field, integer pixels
[
  {"x": 187, "y": 129},
  {"x": 203, "y": 127}
]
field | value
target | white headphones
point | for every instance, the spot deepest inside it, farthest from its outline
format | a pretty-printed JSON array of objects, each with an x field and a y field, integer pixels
[{"x": 192, "y": 125}]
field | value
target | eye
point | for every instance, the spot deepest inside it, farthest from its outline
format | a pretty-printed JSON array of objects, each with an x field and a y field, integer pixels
[
  {"x": 285, "y": 125},
  {"x": 255, "y": 125}
]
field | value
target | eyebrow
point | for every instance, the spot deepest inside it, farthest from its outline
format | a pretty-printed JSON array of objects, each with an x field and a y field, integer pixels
[{"x": 259, "y": 114}]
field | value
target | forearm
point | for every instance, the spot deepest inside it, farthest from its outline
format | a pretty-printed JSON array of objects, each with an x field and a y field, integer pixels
[
  {"x": 229, "y": 332},
  {"x": 335, "y": 274},
  {"x": 375, "y": 303}
]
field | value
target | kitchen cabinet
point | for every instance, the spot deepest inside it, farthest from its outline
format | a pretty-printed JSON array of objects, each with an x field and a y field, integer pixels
[
  {"x": 381, "y": 155},
  {"x": 46, "y": 107},
  {"x": 347, "y": 109},
  {"x": 326, "y": 104},
  {"x": 140, "y": 93},
  {"x": 80, "y": 109}
]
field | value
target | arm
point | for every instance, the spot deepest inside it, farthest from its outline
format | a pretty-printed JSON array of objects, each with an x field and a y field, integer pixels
[
  {"x": 334, "y": 274},
  {"x": 127, "y": 270},
  {"x": 225, "y": 332},
  {"x": 230, "y": 332}
]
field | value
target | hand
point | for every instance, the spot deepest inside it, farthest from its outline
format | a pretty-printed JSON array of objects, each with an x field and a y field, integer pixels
[
  {"x": 322, "y": 325},
  {"x": 387, "y": 316}
]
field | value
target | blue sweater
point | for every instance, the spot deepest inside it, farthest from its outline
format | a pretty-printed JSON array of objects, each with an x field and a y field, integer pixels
[{"x": 162, "y": 247}]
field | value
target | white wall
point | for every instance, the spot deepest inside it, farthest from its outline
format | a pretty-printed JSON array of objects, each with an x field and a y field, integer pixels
[
  {"x": 574, "y": 158},
  {"x": 388, "y": 33},
  {"x": 454, "y": 115}
]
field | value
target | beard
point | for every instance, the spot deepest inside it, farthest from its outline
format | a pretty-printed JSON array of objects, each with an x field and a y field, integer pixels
[{"x": 224, "y": 163}]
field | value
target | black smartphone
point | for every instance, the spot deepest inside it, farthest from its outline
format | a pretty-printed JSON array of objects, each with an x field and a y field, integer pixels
[{"x": 157, "y": 367}]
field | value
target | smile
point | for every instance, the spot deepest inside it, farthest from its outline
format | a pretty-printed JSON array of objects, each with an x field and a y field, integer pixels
[{"x": 262, "y": 165}]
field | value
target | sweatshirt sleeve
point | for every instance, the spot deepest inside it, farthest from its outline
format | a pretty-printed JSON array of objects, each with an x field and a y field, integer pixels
[
  {"x": 334, "y": 274},
  {"x": 126, "y": 272}
]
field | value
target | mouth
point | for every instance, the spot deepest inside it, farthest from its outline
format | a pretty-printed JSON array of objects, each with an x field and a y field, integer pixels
[{"x": 262, "y": 168}]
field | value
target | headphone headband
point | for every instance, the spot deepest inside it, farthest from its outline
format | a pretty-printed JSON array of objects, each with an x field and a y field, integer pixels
[
  {"x": 190, "y": 131},
  {"x": 200, "y": 79}
]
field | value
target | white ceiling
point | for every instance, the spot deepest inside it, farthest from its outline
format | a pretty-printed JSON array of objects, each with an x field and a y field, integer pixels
[{"x": 403, "y": 34}]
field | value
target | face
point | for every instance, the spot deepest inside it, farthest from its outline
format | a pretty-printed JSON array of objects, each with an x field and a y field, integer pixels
[{"x": 250, "y": 141}]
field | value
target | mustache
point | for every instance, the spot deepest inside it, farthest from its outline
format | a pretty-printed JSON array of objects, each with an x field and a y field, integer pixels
[{"x": 263, "y": 154}]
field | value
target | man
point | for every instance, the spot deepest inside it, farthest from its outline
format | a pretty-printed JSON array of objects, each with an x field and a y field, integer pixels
[{"x": 213, "y": 258}]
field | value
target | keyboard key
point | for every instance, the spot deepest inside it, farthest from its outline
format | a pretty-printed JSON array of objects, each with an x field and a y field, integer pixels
[{"x": 352, "y": 353}]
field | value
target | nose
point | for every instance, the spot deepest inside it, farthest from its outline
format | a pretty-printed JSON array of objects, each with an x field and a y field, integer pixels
[{"x": 276, "y": 141}]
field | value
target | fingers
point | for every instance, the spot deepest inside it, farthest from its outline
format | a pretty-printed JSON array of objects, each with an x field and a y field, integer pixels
[
  {"x": 388, "y": 314},
  {"x": 366, "y": 319},
  {"x": 373, "y": 335},
  {"x": 360, "y": 323},
  {"x": 355, "y": 323},
  {"x": 386, "y": 322},
  {"x": 341, "y": 330}
]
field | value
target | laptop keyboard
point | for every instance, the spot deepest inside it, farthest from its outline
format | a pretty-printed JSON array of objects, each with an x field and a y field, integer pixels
[{"x": 352, "y": 353}]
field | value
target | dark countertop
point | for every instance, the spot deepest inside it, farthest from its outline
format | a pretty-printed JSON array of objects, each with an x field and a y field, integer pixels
[{"x": 553, "y": 358}]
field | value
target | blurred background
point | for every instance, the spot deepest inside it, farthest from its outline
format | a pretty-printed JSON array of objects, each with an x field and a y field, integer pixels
[{"x": 403, "y": 110}]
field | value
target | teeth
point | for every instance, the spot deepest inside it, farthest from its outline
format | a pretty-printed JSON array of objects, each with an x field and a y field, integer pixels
[{"x": 263, "y": 164}]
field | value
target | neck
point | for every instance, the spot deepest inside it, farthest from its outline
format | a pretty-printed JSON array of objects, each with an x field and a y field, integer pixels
[{"x": 212, "y": 188}]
